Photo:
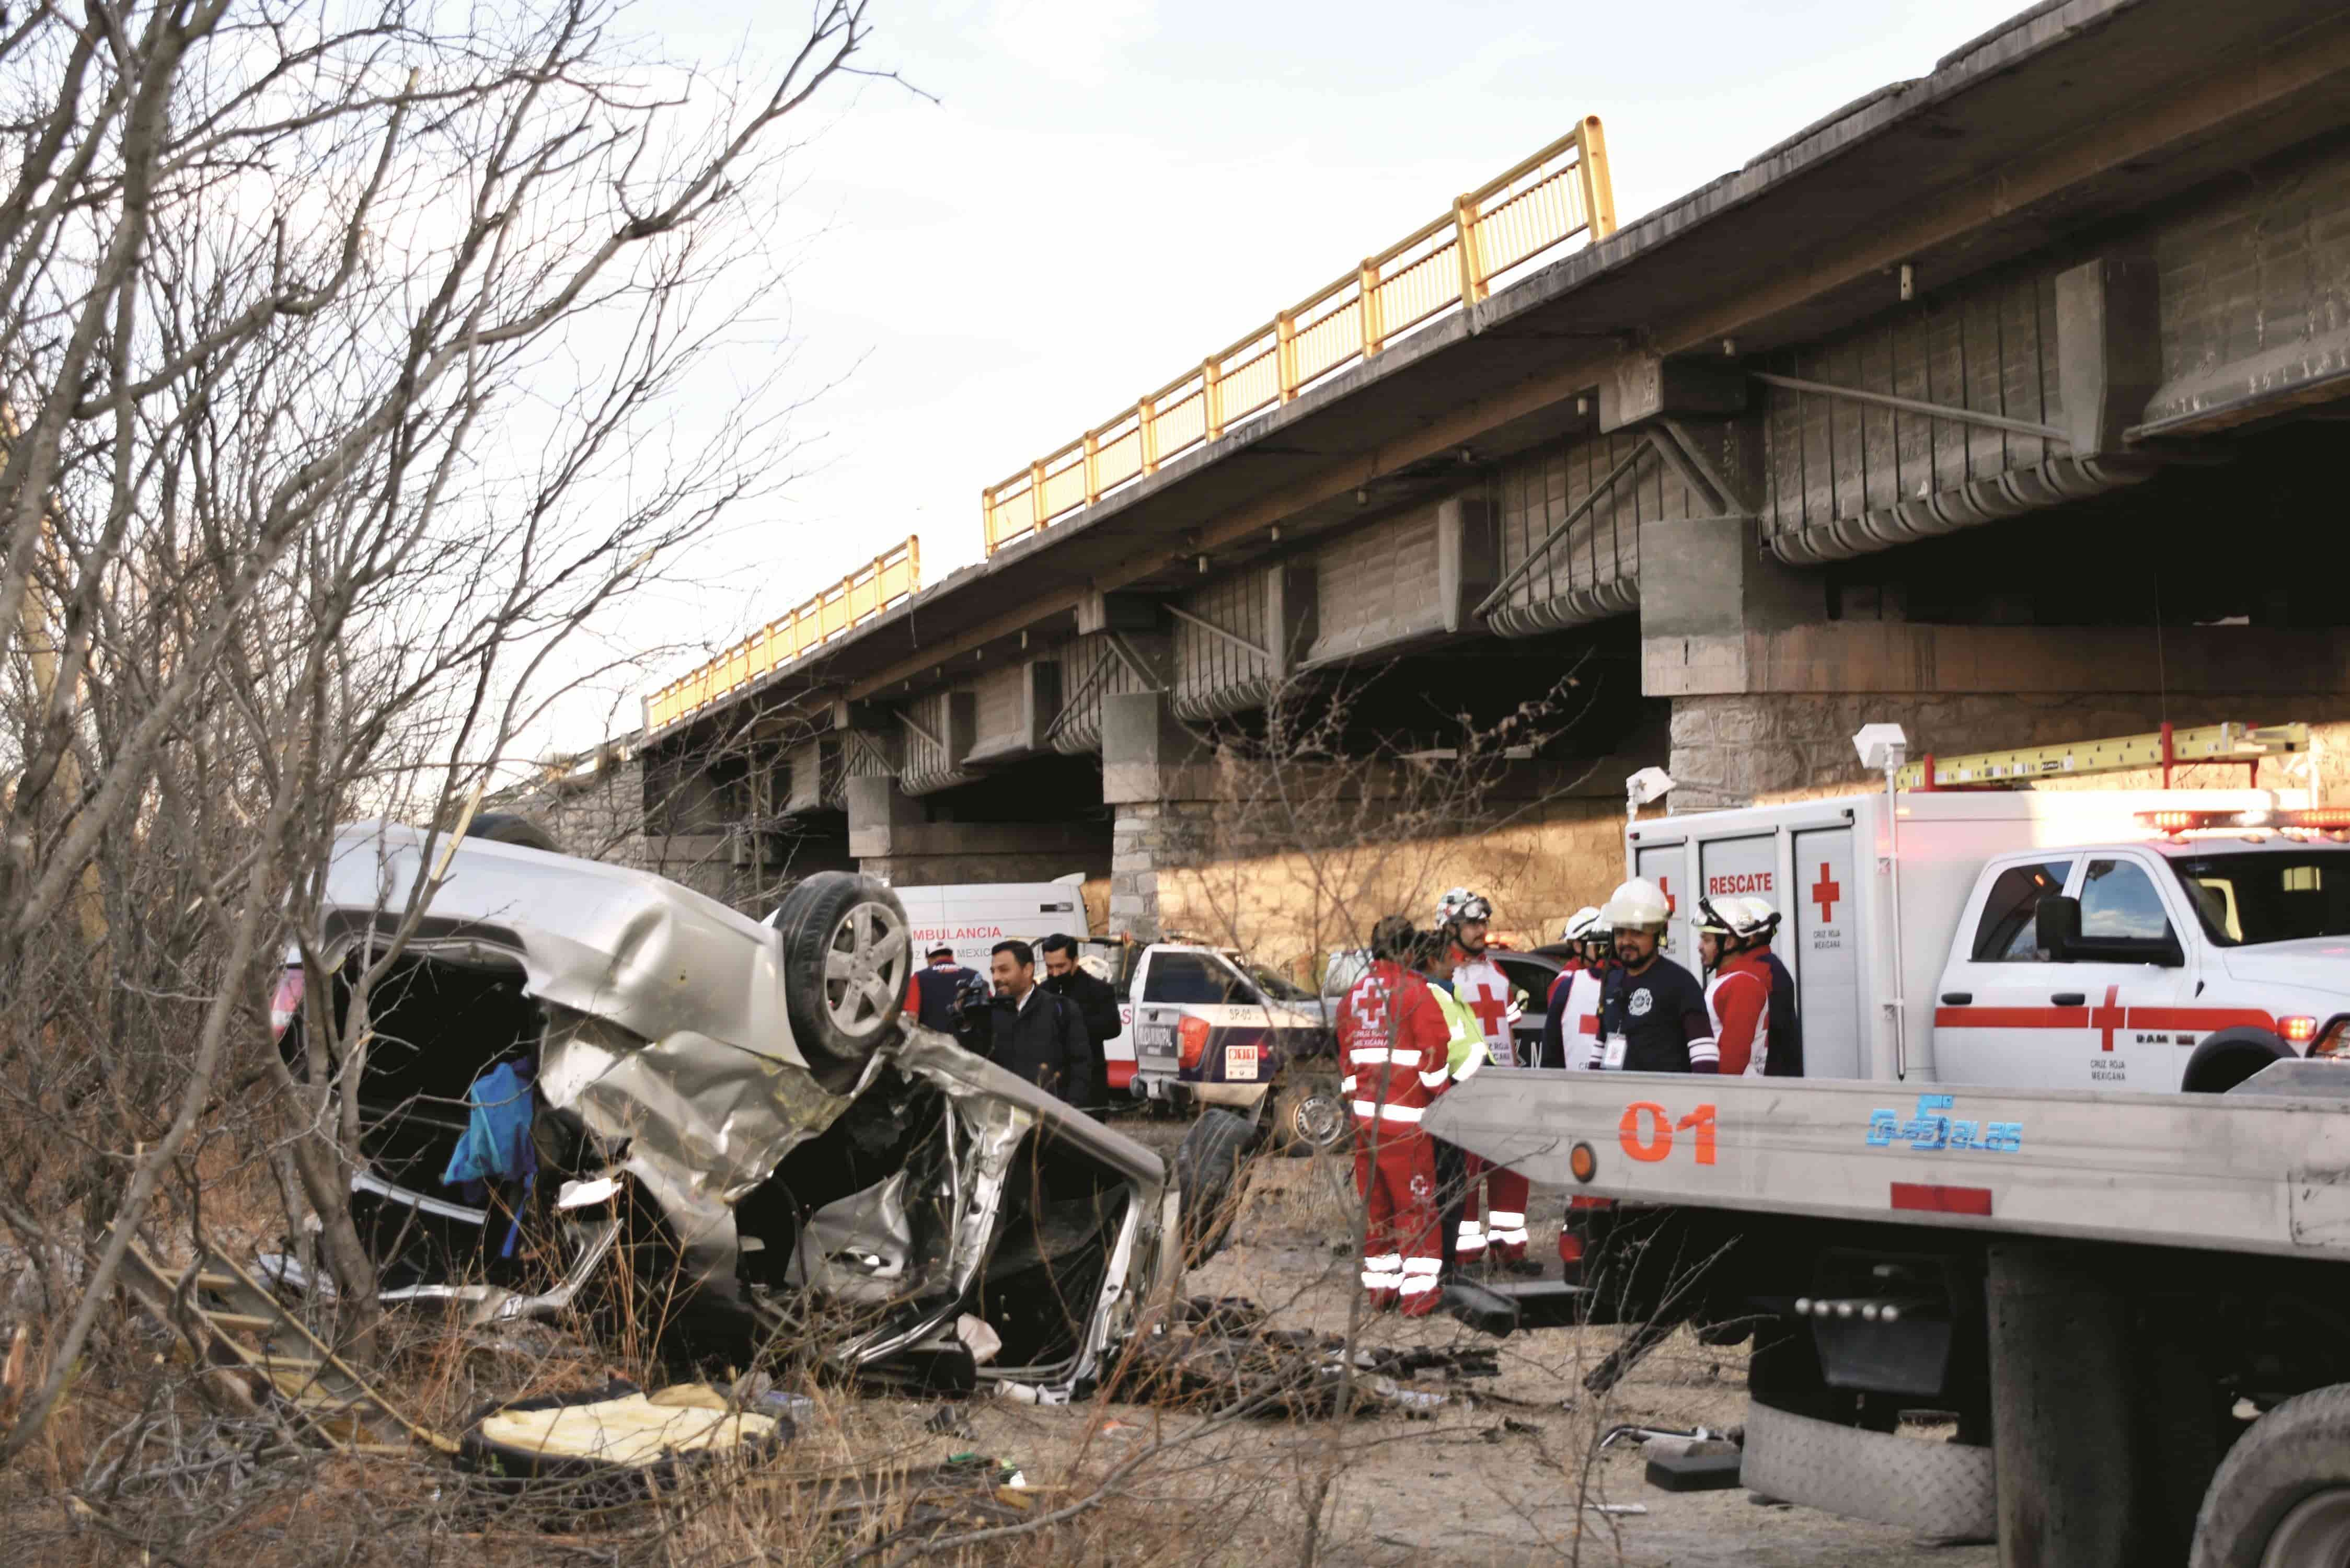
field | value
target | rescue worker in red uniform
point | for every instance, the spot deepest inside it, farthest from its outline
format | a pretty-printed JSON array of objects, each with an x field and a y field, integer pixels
[
  {"x": 1571, "y": 1011},
  {"x": 1737, "y": 983},
  {"x": 1786, "y": 1020},
  {"x": 1393, "y": 1042},
  {"x": 1499, "y": 1221}
]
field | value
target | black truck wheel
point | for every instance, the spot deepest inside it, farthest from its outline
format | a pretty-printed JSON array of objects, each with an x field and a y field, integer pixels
[
  {"x": 2281, "y": 1497},
  {"x": 847, "y": 960},
  {"x": 1208, "y": 1175}
]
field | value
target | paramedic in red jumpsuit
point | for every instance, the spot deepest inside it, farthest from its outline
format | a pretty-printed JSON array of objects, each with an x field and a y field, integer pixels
[{"x": 1395, "y": 1044}]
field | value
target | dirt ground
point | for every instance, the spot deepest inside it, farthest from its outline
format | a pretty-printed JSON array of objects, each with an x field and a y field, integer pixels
[{"x": 1494, "y": 1477}]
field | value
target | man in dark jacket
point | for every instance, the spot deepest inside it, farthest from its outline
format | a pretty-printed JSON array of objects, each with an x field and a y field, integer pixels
[
  {"x": 1038, "y": 1037},
  {"x": 1097, "y": 1003},
  {"x": 935, "y": 985}
]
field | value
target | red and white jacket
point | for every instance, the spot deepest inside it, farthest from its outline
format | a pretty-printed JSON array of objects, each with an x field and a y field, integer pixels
[
  {"x": 1484, "y": 991},
  {"x": 1738, "y": 1000},
  {"x": 1573, "y": 1010},
  {"x": 1396, "y": 1047}
]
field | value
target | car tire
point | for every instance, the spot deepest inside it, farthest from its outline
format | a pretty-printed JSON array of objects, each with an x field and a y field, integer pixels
[
  {"x": 2281, "y": 1497},
  {"x": 848, "y": 958},
  {"x": 2229, "y": 1057},
  {"x": 512, "y": 827},
  {"x": 1310, "y": 1118},
  {"x": 1208, "y": 1167}
]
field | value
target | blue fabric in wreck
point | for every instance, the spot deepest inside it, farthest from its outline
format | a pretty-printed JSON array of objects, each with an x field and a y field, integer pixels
[{"x": 496, "y": 1145}]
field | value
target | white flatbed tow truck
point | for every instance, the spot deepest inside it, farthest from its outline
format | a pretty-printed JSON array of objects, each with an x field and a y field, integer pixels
[
  {"x": 2134, "y": 1307},
  {"x": 2110, "y": 1292}
]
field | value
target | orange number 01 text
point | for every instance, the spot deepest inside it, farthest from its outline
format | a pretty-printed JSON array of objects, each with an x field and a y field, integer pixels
[{"x": 1647, "y": 1131}]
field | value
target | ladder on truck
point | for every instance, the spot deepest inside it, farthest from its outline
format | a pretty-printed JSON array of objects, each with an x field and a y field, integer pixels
[
  {"x": 2245, "y": 745},
  {"x": 231, "y": 1322}
]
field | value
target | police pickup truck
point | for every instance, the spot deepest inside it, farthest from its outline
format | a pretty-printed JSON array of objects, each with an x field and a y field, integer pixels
[{"x": 1203, "y": 1027}]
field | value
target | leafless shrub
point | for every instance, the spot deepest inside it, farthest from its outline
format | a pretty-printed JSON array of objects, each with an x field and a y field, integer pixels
[{"x": 338, "y": 352}]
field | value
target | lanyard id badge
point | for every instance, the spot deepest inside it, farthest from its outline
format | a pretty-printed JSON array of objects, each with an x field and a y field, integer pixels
[{"x": 1612, "y": 1058}]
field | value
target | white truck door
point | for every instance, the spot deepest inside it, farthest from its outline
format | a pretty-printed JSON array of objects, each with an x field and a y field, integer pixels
[
  {"x": 1747, "y": 864},
  {"x": 1993, "y": 1019},
  {"x": 1825, "y": 955},
  {"x": 2123, "y": 1041},
  {"x": 1666, "y": 865}
]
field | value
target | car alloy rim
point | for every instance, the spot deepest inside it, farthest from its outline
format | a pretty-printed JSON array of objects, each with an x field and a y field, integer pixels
[
  {"x": 1317, "y": 1120},
  {"x": 2315, "y": 1535},
  {"x": 864, "y": 968}
]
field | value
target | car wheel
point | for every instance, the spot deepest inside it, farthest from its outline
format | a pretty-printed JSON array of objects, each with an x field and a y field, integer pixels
[
  {"x": 511, "y": 827},
  {"x": 847, "y": 960},
  {"x": 1311, "y": 1119},
  {"x": 1208, "y": 1175}
]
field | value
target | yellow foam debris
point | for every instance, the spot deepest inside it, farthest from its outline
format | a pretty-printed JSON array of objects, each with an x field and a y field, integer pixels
[{"x": 629, "y": 1430}]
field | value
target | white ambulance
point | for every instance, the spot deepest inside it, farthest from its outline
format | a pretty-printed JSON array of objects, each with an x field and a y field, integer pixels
[
  {"x": 2152, "y": 941},
  {"x": 973, "y": 917}
]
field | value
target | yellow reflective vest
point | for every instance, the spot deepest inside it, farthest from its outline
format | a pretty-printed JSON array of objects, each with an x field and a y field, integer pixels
[{"x": 1467, "y": 1051}]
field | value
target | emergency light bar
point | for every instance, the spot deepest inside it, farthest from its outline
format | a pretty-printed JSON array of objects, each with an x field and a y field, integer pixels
[{"x": 2321, "y": 819}]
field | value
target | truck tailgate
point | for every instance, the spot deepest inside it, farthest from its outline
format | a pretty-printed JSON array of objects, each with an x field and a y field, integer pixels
[{"x": 2238, "y": 1173}]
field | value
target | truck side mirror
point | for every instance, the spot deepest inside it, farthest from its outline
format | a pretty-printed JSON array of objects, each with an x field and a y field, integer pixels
[{"x": 2056, "y": 927}]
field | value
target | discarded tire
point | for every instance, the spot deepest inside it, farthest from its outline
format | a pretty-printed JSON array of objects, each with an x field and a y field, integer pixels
[
  {"x": 847, "y": 959},
  {"x": 1943, "y": 1491},
  {"x": 2281, "y": 1497},
  {"x": 1208, "y": 1174}
]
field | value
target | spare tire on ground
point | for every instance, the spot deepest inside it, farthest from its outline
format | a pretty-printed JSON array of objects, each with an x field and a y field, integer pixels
[
  {"x": 847, "y": 959},
  {"x": 1208, "y": 1165}
]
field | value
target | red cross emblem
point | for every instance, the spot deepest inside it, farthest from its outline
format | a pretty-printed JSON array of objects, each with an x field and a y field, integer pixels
[
  {"x": 1665, "y": 886},
  {"x": 1490, "y": 1010},
  {"x": 1825, "y": 892},
  {"x": 2108, "y": 1018}
]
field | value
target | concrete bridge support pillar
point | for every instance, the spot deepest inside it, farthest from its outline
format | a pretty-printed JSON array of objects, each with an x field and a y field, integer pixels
[
  {"x": 1159, "y": 786},
  {"x": 914, "y": 842}
]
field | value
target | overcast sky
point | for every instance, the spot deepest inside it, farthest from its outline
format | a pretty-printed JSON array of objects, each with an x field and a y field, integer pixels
[{"x": 1107, "y": 190}]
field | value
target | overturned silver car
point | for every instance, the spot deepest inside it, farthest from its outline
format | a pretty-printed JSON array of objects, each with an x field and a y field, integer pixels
[{"x": 728, "y": 1134}]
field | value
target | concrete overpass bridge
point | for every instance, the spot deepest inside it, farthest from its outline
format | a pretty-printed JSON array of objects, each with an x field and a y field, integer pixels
[{"x": 2004, "y": 402}]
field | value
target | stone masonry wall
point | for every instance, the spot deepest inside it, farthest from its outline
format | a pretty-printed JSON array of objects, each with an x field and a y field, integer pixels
[
  {"x": 1148, "y": 839},
  {"x": 1287, "y": 908},
  {"x": 1732, "y": 751}
]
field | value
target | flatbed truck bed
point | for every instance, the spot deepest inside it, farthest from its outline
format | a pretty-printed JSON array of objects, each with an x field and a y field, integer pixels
[{"x": 2135, "y": 1305}]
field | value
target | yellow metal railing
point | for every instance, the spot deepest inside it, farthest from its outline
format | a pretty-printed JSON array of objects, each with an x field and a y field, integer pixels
[
  {"x": 860, "y": 596},
  {"x": 1445, "y": 265}
]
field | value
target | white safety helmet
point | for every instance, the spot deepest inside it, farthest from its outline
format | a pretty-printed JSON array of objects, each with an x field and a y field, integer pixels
[
  {"x": 1637, "y": 903},
  {"x": 1581, "y": 924},
  {"x": 1743, "y": 920},
  {"x": 1460, "y": 904},
  {"x": 1765, "y": 919},
  {"x": 1723, "y": 917}
]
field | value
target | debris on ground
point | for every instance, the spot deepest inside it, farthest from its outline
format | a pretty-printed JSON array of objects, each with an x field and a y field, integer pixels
[
  {"x": 259, "y": 1356},
  {"x": 948, "y": 1421},
  {"x": 619, "y": 1434},
  {"x": 1290, "y": 1373}
]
